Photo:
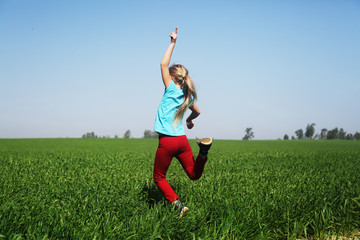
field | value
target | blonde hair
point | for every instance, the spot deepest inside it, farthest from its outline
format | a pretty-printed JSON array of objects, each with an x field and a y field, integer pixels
[{"x": 180, "y": 75}]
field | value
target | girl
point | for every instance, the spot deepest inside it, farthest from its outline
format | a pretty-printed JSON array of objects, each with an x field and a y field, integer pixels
[{"x": 179, "y": 95}]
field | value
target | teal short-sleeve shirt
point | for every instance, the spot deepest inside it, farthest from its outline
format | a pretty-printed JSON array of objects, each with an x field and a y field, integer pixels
[{"x": 171, "y": 101}]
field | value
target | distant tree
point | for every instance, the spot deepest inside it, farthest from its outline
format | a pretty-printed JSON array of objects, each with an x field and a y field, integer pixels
[
  {"x": 323, "y": 134},
  {"x": 150, "y": 134},
  {"x": 333, "y": 134},
  {"x": 147, "y": 133},
  {"x": 310, "y": 130},
  {"x": 89, "y": 135},
  {"x": 342, "y": 134},
  {"x": 357, "y": 136},
  {"x": 249, "y": 134},
  {"x": 286, "y": 137},
  {"x": 299, "y": 134},
  {"x": 349, "y": 136},
  {"x": 127, "y": 134},
  {"x": 116, "y": 136},
  {"x": 330, "y": 135},
  {"x": 292, "y": 138}
]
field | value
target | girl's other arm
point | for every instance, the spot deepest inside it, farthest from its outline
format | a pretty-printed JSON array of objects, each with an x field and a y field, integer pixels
[
  {"x": 195, "y": 112},
  {"x": 166, "y": 60}
]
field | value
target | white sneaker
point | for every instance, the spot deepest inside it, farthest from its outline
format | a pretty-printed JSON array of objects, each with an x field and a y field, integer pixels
[{"x": 183, "y": 211}]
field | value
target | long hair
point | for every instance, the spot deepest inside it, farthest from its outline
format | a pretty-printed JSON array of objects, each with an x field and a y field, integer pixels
[{"x": 180, "y": 75}]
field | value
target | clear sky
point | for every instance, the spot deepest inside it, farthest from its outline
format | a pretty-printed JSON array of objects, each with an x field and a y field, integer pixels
[{"x": 71, "y": 67}]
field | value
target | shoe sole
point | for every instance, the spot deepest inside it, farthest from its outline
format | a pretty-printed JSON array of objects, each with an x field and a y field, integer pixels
[{"x": 205, "y": 141}]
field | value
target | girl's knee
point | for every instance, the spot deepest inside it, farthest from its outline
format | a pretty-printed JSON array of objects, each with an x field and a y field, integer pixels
[{"x": 158, "y": 178}]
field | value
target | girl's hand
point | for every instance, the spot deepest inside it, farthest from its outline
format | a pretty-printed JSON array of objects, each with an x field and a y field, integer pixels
[
  {"x": 173, "y": 36},
  {"x": 190, "y": 124}
]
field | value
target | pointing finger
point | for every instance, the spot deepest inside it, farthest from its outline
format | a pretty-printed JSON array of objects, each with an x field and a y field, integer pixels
[{"x": 176, "y": 30}]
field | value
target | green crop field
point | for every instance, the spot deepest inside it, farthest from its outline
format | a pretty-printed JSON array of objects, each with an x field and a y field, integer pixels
[{"x": 103, "y": 189}]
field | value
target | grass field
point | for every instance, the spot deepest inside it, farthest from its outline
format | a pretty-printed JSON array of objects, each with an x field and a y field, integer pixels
[{"x": 103, "y": 189}]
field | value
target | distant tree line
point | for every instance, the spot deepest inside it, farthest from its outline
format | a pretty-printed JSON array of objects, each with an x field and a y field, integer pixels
[
  {"x": 89, "y": 135},
  {"x": 127, "y": 134},
  {"x": 325, "y": 134},
  {"x": 309, "y": 133}
]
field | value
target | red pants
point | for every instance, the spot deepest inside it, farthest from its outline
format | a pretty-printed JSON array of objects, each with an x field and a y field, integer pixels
[{"x": 178, "y": 147}]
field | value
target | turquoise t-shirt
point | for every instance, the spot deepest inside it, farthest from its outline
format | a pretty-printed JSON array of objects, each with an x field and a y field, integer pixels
[{"x": 170, "y": 103}]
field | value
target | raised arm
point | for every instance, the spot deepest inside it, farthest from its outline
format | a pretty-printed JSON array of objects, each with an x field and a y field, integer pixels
[{"x": 166, "y": 60}]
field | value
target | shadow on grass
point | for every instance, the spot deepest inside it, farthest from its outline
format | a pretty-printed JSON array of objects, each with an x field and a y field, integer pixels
[{"x": 151, "y": 194}]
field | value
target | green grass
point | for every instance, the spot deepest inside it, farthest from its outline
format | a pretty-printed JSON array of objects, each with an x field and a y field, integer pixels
[{"x": 103, "y": 189}]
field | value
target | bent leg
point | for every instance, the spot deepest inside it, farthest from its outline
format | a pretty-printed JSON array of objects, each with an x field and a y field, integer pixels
[{"x": 193, "y": 169}]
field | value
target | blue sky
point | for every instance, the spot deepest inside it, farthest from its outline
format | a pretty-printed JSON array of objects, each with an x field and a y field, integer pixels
[{"x": 71, "y": 67}]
